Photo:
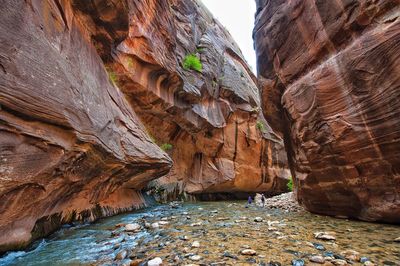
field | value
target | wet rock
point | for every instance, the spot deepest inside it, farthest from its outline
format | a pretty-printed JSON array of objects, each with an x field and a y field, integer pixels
[
  {"x": 195, "y": 257},
  {"x": 155, "y": 262},
  {"x": 163, "y": 223},
  {"x": 298, "y": 262},
  {"x": 318, "y": 246},
  {"x": 325, "y": 235},
  {"x": 397, "y": 240},
  {"x": 368, "y": 263},
  {"x": 121, "y": 255},
  {"x": 351, "y": 255},
  {"x": 132, "y": 227},
  {"x": 317, "y": 259},
  {"x": 248, "y": 252},
  {"x": 196, "y": 244}
]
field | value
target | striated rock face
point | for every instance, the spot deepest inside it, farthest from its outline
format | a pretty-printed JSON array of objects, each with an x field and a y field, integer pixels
[
  {"x": 331, "y": 86},
  {"x": 71, "y": 147},
  {"x": 218, "y": 139}
]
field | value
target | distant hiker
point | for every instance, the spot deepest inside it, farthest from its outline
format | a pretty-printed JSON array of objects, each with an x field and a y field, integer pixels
[
  {"x": 249, "y": 201},
  {"x": 263, "y": 200}
]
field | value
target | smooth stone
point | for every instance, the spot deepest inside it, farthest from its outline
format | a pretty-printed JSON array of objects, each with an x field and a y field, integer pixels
[
  {"x": 364, "y": 259},
  {"x": 132, "y": 227},
  {"x": 397, "y": 240},
  {"x": 317, "y": 259},
  {"x": 369, "y": 263},
  {"x": 248, "y": 252},
  {"x": 325, "y": 235},
  {"x": 121, "y": 255},
  {"x": 155, "y": 225},
  {"x": 196, "y": 244},
  {"x": 258, "y": 219},
  {"x": 339, "y": 262},
  {"x": 195, "y": 257},
  {"x": 154, "y": 262},
  {"x": 351, "y": 255},
  {"x": 318, "y": 246},
  {"x": 298, "y": 262},
  {"x": 163, "y": 222}
]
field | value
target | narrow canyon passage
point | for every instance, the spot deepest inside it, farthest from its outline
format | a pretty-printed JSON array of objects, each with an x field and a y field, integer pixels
[{"x": 122, "y": 122}]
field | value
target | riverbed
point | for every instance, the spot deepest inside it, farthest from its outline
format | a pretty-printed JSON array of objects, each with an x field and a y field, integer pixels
[{"x": 215, "y": 233}]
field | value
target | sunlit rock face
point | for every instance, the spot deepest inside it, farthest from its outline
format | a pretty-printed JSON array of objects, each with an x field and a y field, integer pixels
[
  {"x": 219, "y": 141},
  {"x": 331, "y": 86},
  {"x": 71, "y": 147}
]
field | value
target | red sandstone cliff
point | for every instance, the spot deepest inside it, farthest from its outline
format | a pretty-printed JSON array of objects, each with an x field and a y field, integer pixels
[
  {"x": 331, "y": 86},
  {"x": 72, "y": 148},
  {"x": 209, "y": 118}
]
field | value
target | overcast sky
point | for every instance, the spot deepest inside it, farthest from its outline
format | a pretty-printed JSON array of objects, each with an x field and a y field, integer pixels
[{"x": 238, "y": 17}]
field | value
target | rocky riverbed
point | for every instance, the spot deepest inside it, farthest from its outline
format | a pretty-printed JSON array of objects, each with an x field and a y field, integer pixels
[{"x": 216, "y": 233}]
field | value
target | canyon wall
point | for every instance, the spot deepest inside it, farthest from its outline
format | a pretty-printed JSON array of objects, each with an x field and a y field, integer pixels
[
  {"x": 78, "y": 79},
  {"x": 209, "y": 120},
  {"x": 71, "y": 147},
  {"x": 330, "y": 78}
]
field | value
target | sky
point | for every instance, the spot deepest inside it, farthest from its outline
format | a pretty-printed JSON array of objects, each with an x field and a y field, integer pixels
[{"x": 238, "y": 17}]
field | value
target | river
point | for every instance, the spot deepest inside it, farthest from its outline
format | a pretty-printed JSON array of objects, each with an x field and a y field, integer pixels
[{"x": 214, "y": 233}]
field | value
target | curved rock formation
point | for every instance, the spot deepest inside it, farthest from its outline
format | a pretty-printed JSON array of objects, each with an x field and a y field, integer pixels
[
  {"x": 71, "y": 147},
  {"x": 331, "y": 86},
  {"x": 211, "y": 119}
]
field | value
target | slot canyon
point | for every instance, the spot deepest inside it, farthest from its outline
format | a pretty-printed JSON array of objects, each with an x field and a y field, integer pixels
[{"x": 132, "y": 132}]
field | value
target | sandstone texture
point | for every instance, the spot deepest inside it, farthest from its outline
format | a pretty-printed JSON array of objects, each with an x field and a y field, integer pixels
[
  {"x": 71, "y": 147},
  {"x": 330, "y": 78},
  {"x": 87, "y": 90},
  {"x": 211, "y": 120}
]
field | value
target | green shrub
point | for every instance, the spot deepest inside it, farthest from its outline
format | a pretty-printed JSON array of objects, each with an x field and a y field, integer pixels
[
  {"x": 191, "y": 61},
  {"x": 290, "y": 184},
  {"x": 112, "y": 76},
  {"x": 166, "y": 147},
  {"x": 260, "y": 126}
]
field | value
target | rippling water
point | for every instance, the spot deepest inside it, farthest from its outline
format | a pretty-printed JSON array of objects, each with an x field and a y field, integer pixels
[{"x": 223, "y": 229}]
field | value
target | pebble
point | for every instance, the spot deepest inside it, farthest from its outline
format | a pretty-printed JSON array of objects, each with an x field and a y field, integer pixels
[
  {"x": 155, "y": 262},
  {"x": 196, "y": 244},
  {"x": 163, "y": 222},
  {"x": 132, "y": 227},
  {"x": 397, "y": 240},
  {"x": 317, "y": 259},
  {"x": 229, "y": 255},
  {"x": 155, "y": 225},
  {"x": 258, "y": 219},
  {"x": 248, "y": 252},
  {"x": 325, "y": 235},
  {"x": 195, "y": 257},
  {"x": 351, "y": 255},
  {"x": 318, "y": 246},
  {"x": 369, "y": 263}
]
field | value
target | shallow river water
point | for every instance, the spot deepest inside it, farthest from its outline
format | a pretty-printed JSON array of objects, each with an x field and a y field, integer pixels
[{"x": 222, "y": 229}]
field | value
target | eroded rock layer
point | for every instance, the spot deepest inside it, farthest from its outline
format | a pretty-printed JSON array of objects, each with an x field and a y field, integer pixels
[
  {"x": 331, "y": 86},
  {"x": 71, "y": 147},
  {"x": 209, "y": 121}
]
